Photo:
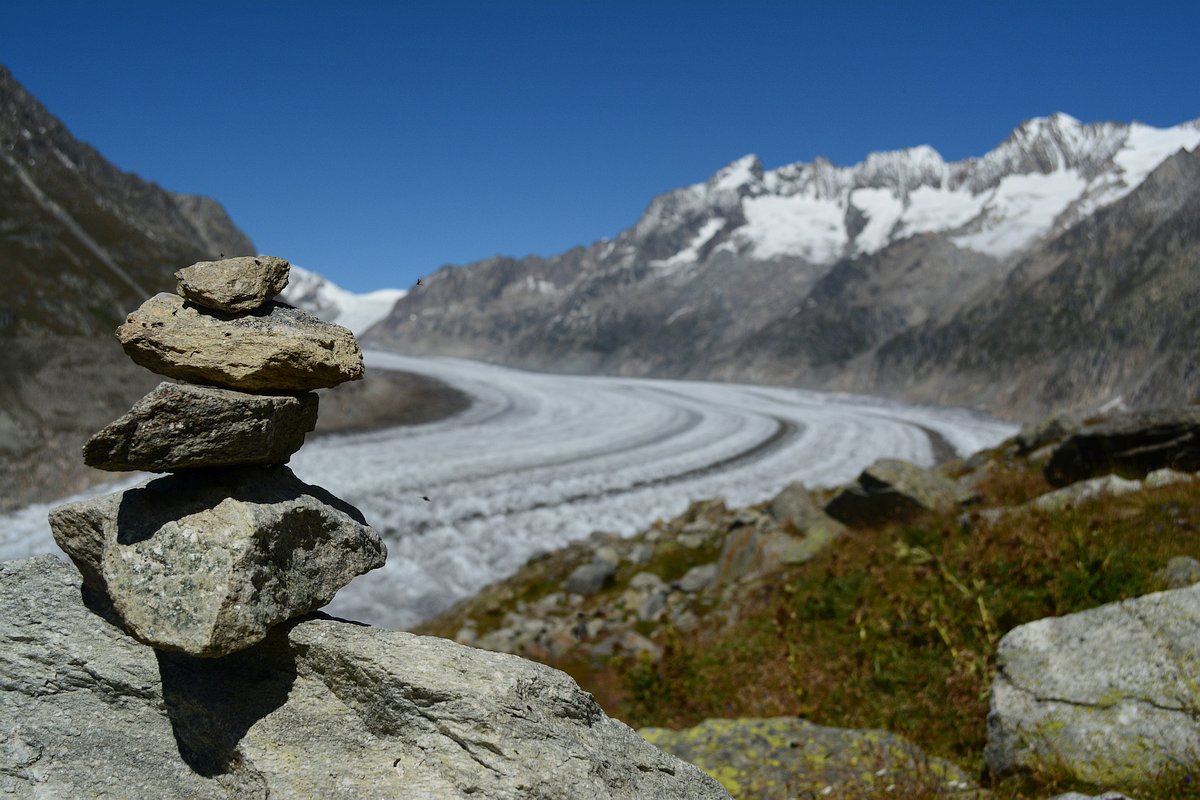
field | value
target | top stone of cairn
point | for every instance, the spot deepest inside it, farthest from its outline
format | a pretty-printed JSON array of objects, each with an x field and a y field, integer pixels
[{"x": 233, "y": 284}]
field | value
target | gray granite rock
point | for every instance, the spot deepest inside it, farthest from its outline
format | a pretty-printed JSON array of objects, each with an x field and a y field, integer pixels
[
  {"x": 891, "y": 489},
  {"x": 233, "y": 284},
  {"x": 321, "y": 708},
  {"x": 178, "y": 426},
  {"x": 1107, "y": 696},
  {"x": 276, "y": 348},
  {"x": 205, "y": 562},
  {"x": 591, "y": 578},
  {"x": 1179, "y": 573}
]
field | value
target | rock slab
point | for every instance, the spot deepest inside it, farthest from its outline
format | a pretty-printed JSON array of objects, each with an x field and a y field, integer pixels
[
  {"x": 233, "y": 284},
  {"x": 891, "y": 489},
  {"x": 321, "y": 708},
  {"x": 276, "y": 348},
  {"x": 206, "y": 562},
  {"x": 782, "y": 758},
  {"x": 1108, "y": 696},
  {"x": 179, "y": 426},
  {"x": 1130, "y": 445}
]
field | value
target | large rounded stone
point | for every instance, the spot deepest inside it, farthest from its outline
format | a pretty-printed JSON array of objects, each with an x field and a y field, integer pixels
[
  {"x": 205, "y": 562},
  {"x": 275, "y": 348},
  {"x": 178, "y": 426},
  {"x": 233, "y": 284},
  {"x": 1106, "y": 696}
]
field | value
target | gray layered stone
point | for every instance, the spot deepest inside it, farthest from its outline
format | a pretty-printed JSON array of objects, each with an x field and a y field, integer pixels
[
  {"x": 321, "y": 708},
  {"x": 206, "y": 562},
  {"x": 891, "y": 489},
  {"x": 274, "y": 348},
  {"x": 591, "y": 578},
  {"x": 179, "y": 426},
  {"x": 1107, "y": 696},
  {"x": 1131, "y": 445},
  {"x": 233, "y": 284}
]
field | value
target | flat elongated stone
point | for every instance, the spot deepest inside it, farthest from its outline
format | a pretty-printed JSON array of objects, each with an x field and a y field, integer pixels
[
  {"x": 275, "y": 348},
  {"x": 205, "y": 562},
  {"x": 178, "y": 426},
  {"x": 233, "y": 284}
]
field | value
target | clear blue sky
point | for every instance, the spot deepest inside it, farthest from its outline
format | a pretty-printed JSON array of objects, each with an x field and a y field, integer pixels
[{"x": 376, "y": 141}]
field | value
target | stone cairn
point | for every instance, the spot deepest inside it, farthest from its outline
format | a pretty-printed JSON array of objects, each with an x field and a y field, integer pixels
[{"x": 207, "y": 559}]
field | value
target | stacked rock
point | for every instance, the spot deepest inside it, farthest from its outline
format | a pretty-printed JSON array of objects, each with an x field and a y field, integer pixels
[{"x": 207, "y": 559}]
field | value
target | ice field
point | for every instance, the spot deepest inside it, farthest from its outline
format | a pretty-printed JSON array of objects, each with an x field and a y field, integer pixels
[{"x": 540, "y": 460}]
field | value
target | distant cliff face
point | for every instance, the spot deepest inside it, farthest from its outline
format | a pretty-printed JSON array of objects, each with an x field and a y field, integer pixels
[
  {"x": 81, "y": 244},
  {"x": 904, "y": 275}
]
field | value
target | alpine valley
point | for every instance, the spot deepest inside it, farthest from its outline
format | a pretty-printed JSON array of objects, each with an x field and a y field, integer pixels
[{"x": 1057, "y": 270}]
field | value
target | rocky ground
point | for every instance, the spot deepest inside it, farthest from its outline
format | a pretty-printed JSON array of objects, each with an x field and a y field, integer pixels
[{"x": 785, "y": 647}]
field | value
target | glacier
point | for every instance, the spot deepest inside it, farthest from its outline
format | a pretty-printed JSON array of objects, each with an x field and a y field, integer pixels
[{"x": 540, "y": 460}]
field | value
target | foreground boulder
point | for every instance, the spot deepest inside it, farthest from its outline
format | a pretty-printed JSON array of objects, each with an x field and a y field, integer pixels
[
  {"x": 233, "y": 284},
  {"x": 206, "y": 562},
  {"x": 786, "y": 757},
  {"x": 178, "y": 426},
  {"x": 890, "y": 490},
  {"x": 321, "y": 708},
  {"x": 276, "y": 348},
  {"x": 1107, "y": 696},
  {"x": 1130, "y": 445}
]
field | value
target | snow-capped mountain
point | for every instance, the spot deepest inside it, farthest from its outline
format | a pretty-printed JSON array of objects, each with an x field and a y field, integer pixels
[
  {"x": 332, "y": 303},
  {"x": 1050, "y": 173},
  {"x": 834, "y": 276}
]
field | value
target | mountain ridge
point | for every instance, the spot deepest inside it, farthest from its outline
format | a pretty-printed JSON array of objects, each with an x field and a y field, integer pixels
[{"x": 720, "y": 279}]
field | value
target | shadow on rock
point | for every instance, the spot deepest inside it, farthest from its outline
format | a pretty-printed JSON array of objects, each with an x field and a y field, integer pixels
[{"x": 212, "y": 702}]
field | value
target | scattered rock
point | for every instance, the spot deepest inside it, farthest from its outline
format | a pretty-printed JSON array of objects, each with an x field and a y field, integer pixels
[
  {"x": 1179, "y": 573},
  {"x": 698, "y": 578},
  {"x": 891, "y": 489},
  {"x": 275, "y": 348},
  {"x": 1076, "y": 493},
  {"x": 321, "y": 708},
  {"x": 1131, "y": 444},
  {"x": 591, "y": 578},
  {"x": 178, "y": 426},
  {"x": 1106, "y": 696},
  {"x": 233, "y": 284},
  {"x": 206, "y": 562},
  {"x": 786, "y": 757}
]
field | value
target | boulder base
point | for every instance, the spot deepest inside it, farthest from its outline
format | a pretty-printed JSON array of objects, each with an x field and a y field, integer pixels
[
  {"x": 206, "y": 562},
  {"x": 321, "y": 708},
  {"x": 1130, "y": 445},
  {"x": 276, "y": 348},
  {"x": 178, "y": 426}
]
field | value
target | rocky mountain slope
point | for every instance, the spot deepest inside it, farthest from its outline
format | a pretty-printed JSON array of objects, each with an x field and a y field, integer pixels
[
  {"x": 851, "y": 277},
  {"x": 81, "y": 244}
]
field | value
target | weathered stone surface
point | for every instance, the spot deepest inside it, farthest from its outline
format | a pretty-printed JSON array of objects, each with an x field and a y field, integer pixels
[
  {"x": 1107, "y": 696},
  {"x": 1130, "y": 445},
  {"x": 233, "y": 284},
  {"x": 1179, "y": 573},
  {"x": 178, "y": 426},
  {"x": 274, "y": 348},
  {"x": 321, "y": 708},
  {"x": 891, "y": 489},
  {"x": 205, "y": 562},
  {"x": 785, "y": 757}
]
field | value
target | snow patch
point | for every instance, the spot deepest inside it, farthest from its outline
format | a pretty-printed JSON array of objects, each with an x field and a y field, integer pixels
[
  {"x": 1021, "y": 209},
  {"x": 1146, "y": 148},
  {"x": 332, "y": 303},
  {"x": 798, "y": 225},
  {"x": 882, "y": 208},
  {"x": 690, "y": 253}
]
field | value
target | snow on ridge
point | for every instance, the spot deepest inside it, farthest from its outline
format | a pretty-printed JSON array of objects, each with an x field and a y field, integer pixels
[
  {"x": 1050, "y": 172},
  {"x": 332, "y": 303}
]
